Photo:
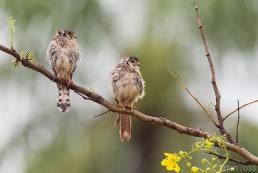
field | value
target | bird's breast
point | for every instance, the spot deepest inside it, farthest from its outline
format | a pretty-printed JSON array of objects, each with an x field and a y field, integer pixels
[
  {"x": 64, "y": 66},
  {"x": 127, "y": 90}
]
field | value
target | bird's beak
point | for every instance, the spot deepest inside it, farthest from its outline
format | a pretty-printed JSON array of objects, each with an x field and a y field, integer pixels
[{"x": 139, "y": 64}]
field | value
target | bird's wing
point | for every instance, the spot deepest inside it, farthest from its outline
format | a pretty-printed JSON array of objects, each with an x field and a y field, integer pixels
[
  {"x": 52, "y": 54},
  {"x": 75, "y": 56}
]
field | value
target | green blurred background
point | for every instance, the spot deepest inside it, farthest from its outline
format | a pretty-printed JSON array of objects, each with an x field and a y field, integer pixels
[{"x": 36, "y": 138}]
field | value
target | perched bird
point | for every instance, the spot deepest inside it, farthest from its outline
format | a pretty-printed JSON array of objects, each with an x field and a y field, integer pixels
[
  {"x": 63, "y": 55},
  {"x": 127, "y": 87}
]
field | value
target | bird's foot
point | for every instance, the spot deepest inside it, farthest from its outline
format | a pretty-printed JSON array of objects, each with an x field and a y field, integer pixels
[{"x": 129, "y": 108}]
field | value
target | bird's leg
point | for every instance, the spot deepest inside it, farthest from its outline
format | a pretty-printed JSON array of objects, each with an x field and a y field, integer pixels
[
  {"x": 69, "y": 82},
  {"x": 130, "y": 107},
  {"x": 117, "y": 120}
]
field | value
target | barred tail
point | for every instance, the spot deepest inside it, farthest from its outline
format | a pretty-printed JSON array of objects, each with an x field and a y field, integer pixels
[
  {"x": 125, "y": 127},
  {"x": 63, "y": 99}
]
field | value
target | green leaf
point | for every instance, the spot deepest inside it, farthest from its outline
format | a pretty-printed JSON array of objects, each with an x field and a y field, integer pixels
[
  {"x": 15, "y": 63},
  {"x": 29, "y": 56},
  {"x": 11, "y": 22}
]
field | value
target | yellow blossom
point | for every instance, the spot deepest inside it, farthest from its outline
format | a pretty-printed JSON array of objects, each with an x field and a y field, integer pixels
[
  {"x": 208, "y": 145},
  {"x": 195, "y": 169},
  {"x": 170, "y": 162}
]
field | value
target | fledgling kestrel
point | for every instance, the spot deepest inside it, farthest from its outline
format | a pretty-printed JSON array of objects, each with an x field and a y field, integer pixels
[
  {"x": 127, "y": 87},
  {"x": 63, "y": 55}
]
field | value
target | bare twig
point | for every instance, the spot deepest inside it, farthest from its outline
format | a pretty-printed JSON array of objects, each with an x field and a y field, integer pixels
[
  {"x": 238, "y": 119},
  {"x": 84, "y": 97},
  {"x": 213, "y": 75},
  {"x": 103, "y": 113},
  {"x": 244, "y": 105},
  {"x": 230, "y": 159},
  {"x": 183, "y": 86}
]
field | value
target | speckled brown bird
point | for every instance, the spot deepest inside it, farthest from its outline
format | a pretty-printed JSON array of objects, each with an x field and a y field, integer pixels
[
  {"x": 127, "y": 87},
  {"x": 63, "y": 55}
]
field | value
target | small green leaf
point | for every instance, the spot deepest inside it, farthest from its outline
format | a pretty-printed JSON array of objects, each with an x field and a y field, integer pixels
[
  {"x": 28, "y": 56},
  {"x": 15, "y": 63},
  {"x": 11, "y": 22}
]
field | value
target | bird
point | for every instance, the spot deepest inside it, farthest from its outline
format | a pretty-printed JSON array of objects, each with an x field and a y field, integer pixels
[
  {"x": 63, "y": 55},
  {"x": 127, "y": 87}
]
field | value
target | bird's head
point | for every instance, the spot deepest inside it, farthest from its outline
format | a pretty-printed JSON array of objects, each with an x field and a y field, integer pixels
[
  {"x": 65, "y": 34},
  {"x": 133, "y": 62}
]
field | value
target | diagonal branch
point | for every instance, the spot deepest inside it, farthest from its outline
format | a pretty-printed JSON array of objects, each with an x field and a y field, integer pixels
[
  {"x": 101, "y": 114},
  {"x": 230, "y": 159},
  {"x": 183, "y": 86},
  {"x": 238, "y": 119},
  {"x": 85, "y": 98},
  {"x": 240, "y": 107},
  {"x": 141, "y": 116},
  {"x": 213, "y": 75}
]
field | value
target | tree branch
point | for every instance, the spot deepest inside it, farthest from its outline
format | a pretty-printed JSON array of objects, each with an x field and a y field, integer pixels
[
  {"x": 244, "y": 105},
  {"x": 84, "y": 97},
  {"x": 183, "y": 86},
  {"x": 231, "y": 159},
  {"x": 213, "y": 75},
  {"x": 146, "y": 118},
  {"x": 238, "y": 119},
  {"x": 101, "y": 114}
]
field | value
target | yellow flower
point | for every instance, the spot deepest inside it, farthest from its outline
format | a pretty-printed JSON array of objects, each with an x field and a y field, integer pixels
[
  {"x": 170, "y": 162},
  {"x": 208, "y": 145},
  {"x": 194, "y": 169}
]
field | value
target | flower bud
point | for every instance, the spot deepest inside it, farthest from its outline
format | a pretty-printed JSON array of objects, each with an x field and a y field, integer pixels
[
  {"x": 181, "y": 153},
  {"x": 188, "y": 164},
  {"x": 195, "y": 169},
  {"x": 204, "y": 161}
]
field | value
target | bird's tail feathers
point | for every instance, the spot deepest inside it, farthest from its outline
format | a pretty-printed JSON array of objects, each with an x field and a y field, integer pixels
[
  {"x": 125, "y": 126},
  {"x": 63, "y": 99}
]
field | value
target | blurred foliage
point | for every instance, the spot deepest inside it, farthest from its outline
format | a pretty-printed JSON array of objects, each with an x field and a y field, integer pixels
[{"x": 76, "y": 141}]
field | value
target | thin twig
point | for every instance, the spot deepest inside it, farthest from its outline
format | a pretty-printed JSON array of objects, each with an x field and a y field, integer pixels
[
  {"x": 213, "y": 75},
  {"x": 183, "y": 86},
  {"x": 244, "y": 105},
  {"x": 84, "y": 97},
  {"x": 103, "y": 113},
  {"x": 230, "y": 159},
  {"x": 238, "y": 119}
]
